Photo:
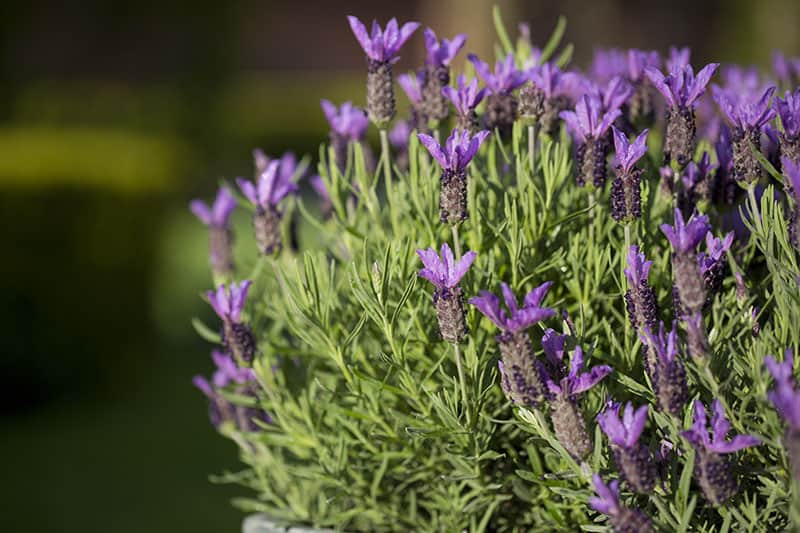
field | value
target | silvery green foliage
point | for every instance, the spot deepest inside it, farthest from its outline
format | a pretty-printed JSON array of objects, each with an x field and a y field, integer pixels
[{"x": 372, "y": 428}]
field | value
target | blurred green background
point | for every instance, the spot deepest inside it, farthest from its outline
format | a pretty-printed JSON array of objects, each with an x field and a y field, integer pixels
[{"x": 112, "y": 116}]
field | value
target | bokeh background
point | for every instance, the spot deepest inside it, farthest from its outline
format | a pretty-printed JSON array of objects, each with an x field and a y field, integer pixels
[{"x": 112, "y": 116}]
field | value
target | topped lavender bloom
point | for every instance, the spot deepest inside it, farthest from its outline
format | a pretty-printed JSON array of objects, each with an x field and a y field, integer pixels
[
  {"x": 622, "y": 518},
  {"x": 220, "y": 237},
  {"x": 518, "y": 318},
  {"x": 458, "y": 151},
  {"x": 577, "y": 381},
  {"x": 505, "y": 77},
  {"x": 465, "y": 96},
  {"x": 788, "y": 109},
  {"x": 685, "y": 236},
  {"x": 588, "y": 121},
  {"x": 236, "y": 336},
  {"x": 614, "y": 94},
  {"x": 219, "y": 213},
  {"x": 553, "y": 345},
  {"x": 454, "y": 156},
  {"x": 348, "y": 121},
  {"x": 607, "y": 63},
  {"x": 638, "y": 267},
  {"x": 681, "y": 89},
  {"x": 623, "y": 431},
  {"x": 711, "y": 264},
  {"x": 383, "y": 45},
  {"x": 381, "y": 48},
  {"x": 695, "y": 180},
  {"x": 441, "y": 53},
  {"x": 666, "y": 371},
  {"x": 631, "y": 456},
  {"x": 547, "y": 94},
  {"x": 588, "y": 125},
  {"x": 743, "y": 114},
  {"x": 412, "y": 85},
  {"x": 227, "y": 372},
  {"x": 711, "y": 467},
  {"x": 665, "y": 345},
  {"x": 443, "y": 270},
  {"x": 445, "y": 273},
  {"x": 629, "y": 153},
  {"x": 274, "y": 184},
  {"x": 785, "y": 396},
  {"x": 228, "y": 302},
  {"x": 568, "y": 422}
]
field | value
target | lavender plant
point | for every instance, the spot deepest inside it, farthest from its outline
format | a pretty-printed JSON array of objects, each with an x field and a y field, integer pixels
[{"x": 358, "y": 403}]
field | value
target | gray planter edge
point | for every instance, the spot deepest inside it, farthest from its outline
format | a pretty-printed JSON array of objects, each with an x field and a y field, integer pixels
[{"x": 261, "y": 523}]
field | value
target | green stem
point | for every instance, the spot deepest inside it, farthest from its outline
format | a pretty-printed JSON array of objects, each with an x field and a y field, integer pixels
[
  {"x": 462, "y": 382},
  {"x": 387, "y": 174},
  {"x": 456, "y": 243},
  {"x": 531, "y": 147}
]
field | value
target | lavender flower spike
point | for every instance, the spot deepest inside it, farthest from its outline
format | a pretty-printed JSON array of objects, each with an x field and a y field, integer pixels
[
  {"x": 640, "y": 108},
  {"x": 711, "y": 467},
  {"x": 631, "y": 456},
  {"x": 684, "y": 238},
  {"x": 436, "y": 75},
  {"x": 712, "y": 264},
  {"x": 545, "y": 96},
  {"x": 521, "y": 378},
  {"x": 640, "y": 298},
  {"x": 273, "y": 185},
  {"x": 228, "y": 303},
  {"x": 788, "y": 109},
  {"x": 667, "y": 373},
  {"x": 791, "y": 169},
  {"x": 454, "y": 156},
  {"x": 786, "y": 399},
  {"x": 568, "y": 423},
  {"x": 412, "y": 85},
  {"x": 220, "y": 237},
  {"x": 588, "y": 125},
  {"x": 681, "y": 89},
  {"x": 626, "y": 202},
  {"x": 501, "y": 105},
  {"x": 381, "y": 48},
  {"x": 623, "y": 520},
  {"x": 445, "y": 273},
  {"x": 747, "y": 119},
  {"x": 348, "y": 124},
  {"x": 465, "y": 98}
]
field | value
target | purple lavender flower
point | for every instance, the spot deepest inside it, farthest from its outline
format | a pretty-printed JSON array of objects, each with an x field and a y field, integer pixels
[
  {"x": 607, "y": 63},
  {"x": 568, "y": 423},
  {"x": 711, "y": 467},
  {"x": 520, "y": 375},
  {"x": 220, "y": 237},
  {"x": 786, "y": 399},
  {"x": 554, "y": 345},
  {"x": 626, "y": 202},
  {"x": 237, "y": 337},
  {"x": 454, "y": 156},
  {"x": 681, "y": 89},
  {"x": 788, "y": 109},
  {"x": 436, "y": 75},
  {"x": 725, "y": 188},
  {"x": 348, "y": 125},
  {"x": 242, "y": 381},
  {"x": 445, "y": 273},
  {"x": 623, "y": 520},
  {"x": 465, "y": 98},
  {"x": 638, "y": 61},
  {"x": 614, "y": 94},
  {"x": 696, "y": 184},
  {"x": 412, "y": 85},
  {"x": 667, "y": 373},
  {"x": 787, "y": 70},
  {"x": 632, "y": 457},
  {"x": 381, "y": 48},
  {"x": 639, "y": 111},
  {"x": 712, "y": 265},
  {"x": 518, "y": 318},
  {"x": 501, "y": 105},
  {"x": 748, "y": 118},
  {"x": 547, "y": 95},
  {"x": 273, "y": 185},
  {"x": 588, "y": 125},
  {"x": 791, "y": 169},
  {"x": 640, "y": 298},
  {"x": 684, "y": 238}
]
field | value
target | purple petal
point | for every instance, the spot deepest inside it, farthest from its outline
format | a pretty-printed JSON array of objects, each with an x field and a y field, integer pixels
[
  {"x": 489, "y": 304},
  {"x": 612, "y": 426},
  {"x": 224, "y": 204},
  {"x": 205, "y": 387},
  {"x": 510, "y": 298},
  {"x": 406, "y": 31},
  {"x": 658, "y": 80},
  {"x": 461, "y": 268},
  {"x": 434, "y": 148},
  {"x": 329, "y": 109},
  {"x": 248, "y": 189},
  {"x": 362, "y": 36},
  {"x": 535, "y": 297},
  {"x": 588, "y": 380},
  {"x": 576, "y": 363},
  {"x": 573, "y": 124},
  {"x": 698, "y": 87},
  {"x": 201, "y": 211},
  {"x": 739, "y": 442},
  {"x": 636, "y": 426}
]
